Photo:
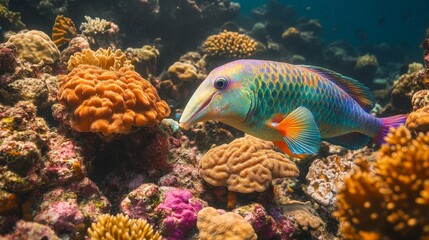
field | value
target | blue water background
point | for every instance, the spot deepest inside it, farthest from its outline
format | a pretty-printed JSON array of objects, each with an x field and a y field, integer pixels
[{"x": 398, "y": 22}]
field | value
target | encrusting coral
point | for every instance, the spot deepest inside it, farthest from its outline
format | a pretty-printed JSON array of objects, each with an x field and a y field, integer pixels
[
  {"x": 230, "y": 45},
  {"x": 245, "y": 165},
  {"x": 216, "y": 226},
  {"x": 35, "y": 47},
  {"x": 110, "y": 102},
  {"x": 389, "y": 200},
  {"x": 63, "y": 31},
  {"x": 121, "y": 227},
  {"x": 106, "y": 59}
]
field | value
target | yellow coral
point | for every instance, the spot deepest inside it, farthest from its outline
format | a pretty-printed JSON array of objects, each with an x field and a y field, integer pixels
[
  {"x": 35, "y": 47},
  {"x": 419, "y": 120},
  {"x": 392, "y": 200},
  {"x": 103, "y": 58},
  {"x": 183, "y": 71},
  {"x": 63, "y": 31},
  {"x": 230, "y": 45},
  {"x": 8, "y": 17},
  {"x": 367, "y": 61},
  {"x": 291, "y": 32},
  {"x": 121, "y": 227},
  {"x": 147, "y": 54},
  {"x": 245, "y": 165},
  {"x": 231, "y": 226},
  {"x": 110, "y": 102}
]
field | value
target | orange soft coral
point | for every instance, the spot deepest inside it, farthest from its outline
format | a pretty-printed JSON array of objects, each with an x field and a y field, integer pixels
[
  {"x": 390, "y": 201},
  {"x": 63, "y": 31},
  {"x": 110, "y": 102}
]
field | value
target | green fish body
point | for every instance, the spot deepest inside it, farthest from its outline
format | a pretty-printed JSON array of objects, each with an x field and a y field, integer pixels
[{"x": 294, "y": 106}]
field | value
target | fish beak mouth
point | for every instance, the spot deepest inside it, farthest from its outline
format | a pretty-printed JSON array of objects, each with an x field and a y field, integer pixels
[{"x": 195, "y": 111}]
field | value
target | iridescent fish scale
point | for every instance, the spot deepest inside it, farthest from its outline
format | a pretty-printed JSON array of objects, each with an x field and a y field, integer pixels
[{"x": 281, "y": 88}]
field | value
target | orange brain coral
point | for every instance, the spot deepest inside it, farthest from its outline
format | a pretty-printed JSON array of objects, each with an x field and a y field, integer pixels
[
  {"x": 63, "y": 31},
  {"x": 110, "y": 102}
]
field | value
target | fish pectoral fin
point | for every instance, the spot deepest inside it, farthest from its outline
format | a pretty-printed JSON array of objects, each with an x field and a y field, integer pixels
[{"x": 300, "y": 132}]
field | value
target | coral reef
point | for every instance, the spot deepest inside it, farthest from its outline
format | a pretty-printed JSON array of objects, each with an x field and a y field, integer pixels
[
  {"x": 384, "y": 200},
  {"x": 68, "y": 209},
  {"x": 63, "y": 31},
  {"x": 245, "y": 165},
  {"x": 103, "y": 58},
  {"x": 100, "y": 32},
  {"x": 110, "y": 102},
  {"x": 31, "y": 230},
  {"x": 179, "y": 209},
  {"x": 77, "y": 44},
  {"x": 214, "y": 224},
  {"x": 35, "y": 47},
  {"x": 173, "y": 210},
  {"x": 144, "y": 59},
  {"x": 121, "y": 227},
  {"x": 8, "y": 19},
  {"x": 419, "y": 120},
  {"x": 405, "y": 87},
  {"x": 366, "y": 66},
  {"x": 325, "y": 176},
  {"x": 22, "y": 138},
  {"x": 229, "y": 45},
  {"x": 267, "y": 225}
]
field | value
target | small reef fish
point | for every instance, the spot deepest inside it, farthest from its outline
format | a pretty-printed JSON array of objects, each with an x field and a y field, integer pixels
[{"x": 294, "y": 106}]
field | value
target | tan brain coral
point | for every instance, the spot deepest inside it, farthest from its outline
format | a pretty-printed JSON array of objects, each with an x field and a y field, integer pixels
[
  {"x": 35, "y": 47},
  {"x": 104, "y": 58},
  {"x": 245, "y": 165},
  {"x": 110, "y": 102},
  {"x": 214, "y": 226},
  {"x": 230, "y": 45}
]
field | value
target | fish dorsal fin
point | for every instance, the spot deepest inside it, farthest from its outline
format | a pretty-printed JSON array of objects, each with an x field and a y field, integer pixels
[{"x": 359, "y": 92}]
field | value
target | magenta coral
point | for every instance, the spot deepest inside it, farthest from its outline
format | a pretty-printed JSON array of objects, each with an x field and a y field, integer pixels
[{"x": 181, "y": 209}]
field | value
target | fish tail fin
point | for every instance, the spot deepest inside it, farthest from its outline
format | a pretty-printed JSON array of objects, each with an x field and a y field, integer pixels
[{"x": 389, "y": 122}]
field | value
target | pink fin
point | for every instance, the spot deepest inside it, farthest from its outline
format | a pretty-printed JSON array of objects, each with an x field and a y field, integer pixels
[{"x": 388, "y": 122}]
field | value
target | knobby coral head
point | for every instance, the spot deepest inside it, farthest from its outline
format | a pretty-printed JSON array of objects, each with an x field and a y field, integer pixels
[{"x": 109, "y": 101}]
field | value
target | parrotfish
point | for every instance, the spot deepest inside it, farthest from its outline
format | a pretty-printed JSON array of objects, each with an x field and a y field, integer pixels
[{"x": 294, "y": 106}]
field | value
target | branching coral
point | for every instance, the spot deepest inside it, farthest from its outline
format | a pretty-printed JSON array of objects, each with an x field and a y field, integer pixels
[
  {"x": 35, "y": 47},
  {"x": 230, "y": 45},
  {"x": 63, "y": 31},
  {"x": 390, "y": 201},
  {"x": 100, "y": 32},
  {"x": 103, "y": 58},
  {"x": 245, "y": 165},
  {"x": 110, "y": 102},
  {"x": 215, "y": 226},
  {"x": 121, "y": 227}
]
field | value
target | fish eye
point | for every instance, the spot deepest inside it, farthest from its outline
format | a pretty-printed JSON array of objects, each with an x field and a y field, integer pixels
[{"x": 220, "y": 83}]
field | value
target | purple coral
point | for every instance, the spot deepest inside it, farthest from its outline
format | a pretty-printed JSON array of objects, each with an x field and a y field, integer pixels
[
  {"x": 269, "y": 224},
  {"x": 180, "y": 209}
]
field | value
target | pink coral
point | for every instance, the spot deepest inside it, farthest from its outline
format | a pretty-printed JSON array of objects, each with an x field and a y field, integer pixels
[{"x": 181, "y": 209}]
